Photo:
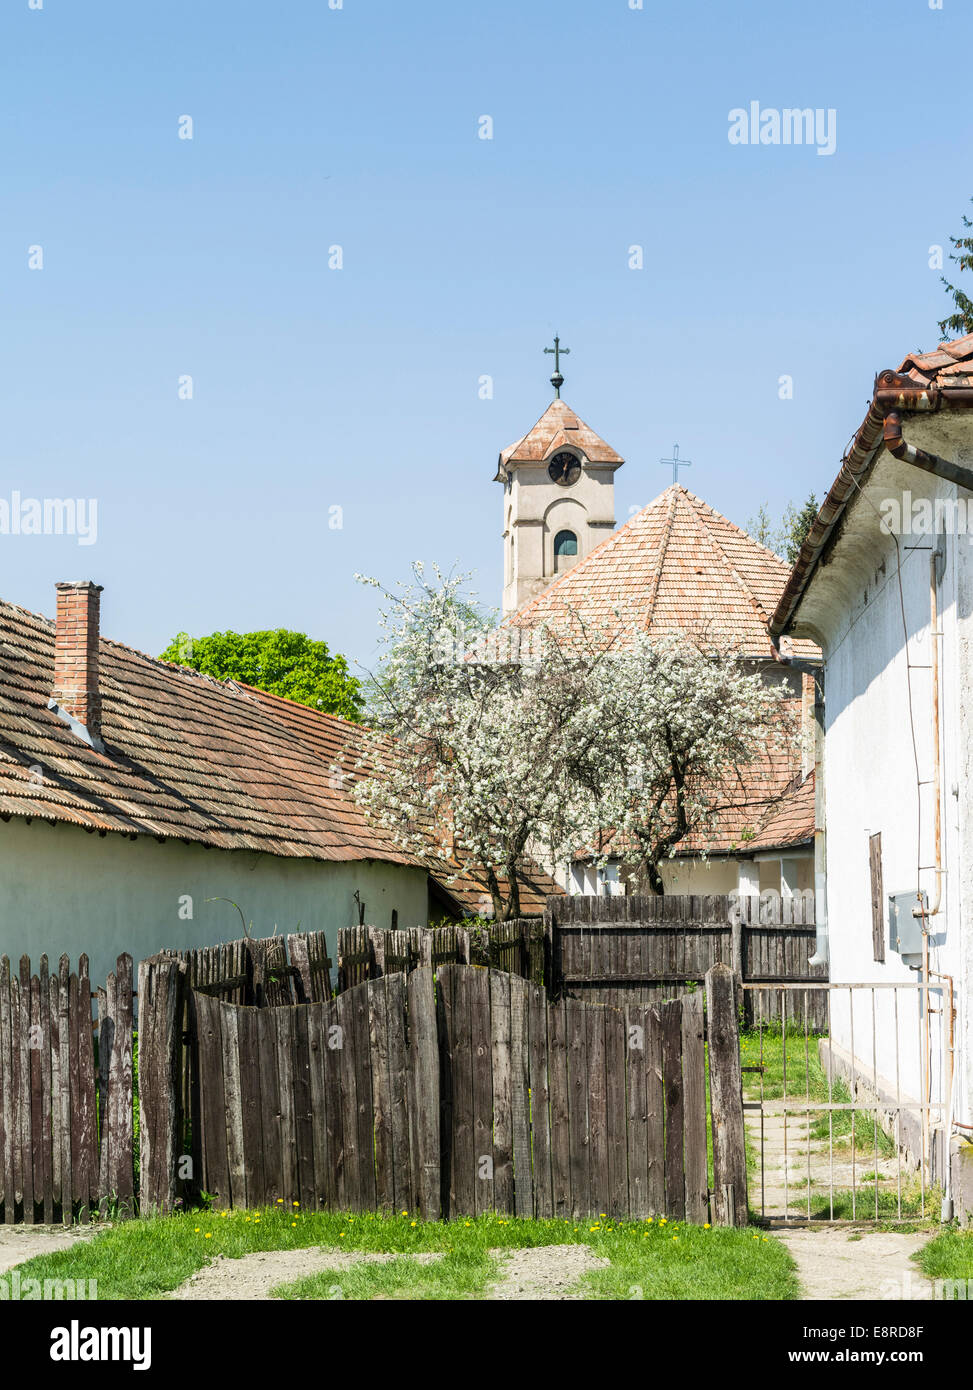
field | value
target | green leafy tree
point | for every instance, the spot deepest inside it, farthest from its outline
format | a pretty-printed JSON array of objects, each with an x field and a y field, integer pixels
[
  {"x": 284, "y": 663},
  {"x": 763, "y": 530},
  {"x": 797, "y": 522},
  {"x": 962, "y": 253},
  {"x": 786, "y": 538}
]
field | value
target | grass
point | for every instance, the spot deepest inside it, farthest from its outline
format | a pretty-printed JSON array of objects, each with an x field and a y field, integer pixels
[
  {"x": 864, "y": 1207},
  {"x": 948, "y": 1256},
  {"x": 147, "y": 1259},
  {"x": 807, "y": 1079}
]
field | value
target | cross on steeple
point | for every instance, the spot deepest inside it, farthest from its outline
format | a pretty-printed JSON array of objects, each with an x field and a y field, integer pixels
[
  {"x": 557, "y": 380},
  {"x": 676, "y": 463}
]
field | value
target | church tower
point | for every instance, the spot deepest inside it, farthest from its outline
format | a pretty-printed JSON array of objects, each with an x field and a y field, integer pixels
[{"x": 558, "y": 497}]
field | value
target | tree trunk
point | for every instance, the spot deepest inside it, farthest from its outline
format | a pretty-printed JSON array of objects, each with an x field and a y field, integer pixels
[
  {"x": 495, "y": 894},
  {"x": 513, "y": 893}
]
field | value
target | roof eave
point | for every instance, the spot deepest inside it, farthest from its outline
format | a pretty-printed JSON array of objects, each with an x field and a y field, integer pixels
[{"x": 893, "y": 391}]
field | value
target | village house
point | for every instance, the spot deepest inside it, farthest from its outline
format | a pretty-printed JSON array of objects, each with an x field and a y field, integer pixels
[
  {"x": 135, "y": 794},
  {"x": 676, "y": 566},
  {"x": 884, "y": 585}
]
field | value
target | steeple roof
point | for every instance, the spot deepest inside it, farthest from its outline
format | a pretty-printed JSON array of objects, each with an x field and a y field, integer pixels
[
  {"x": 558, "y": 427},
  {"x": 678, "y": 565}
]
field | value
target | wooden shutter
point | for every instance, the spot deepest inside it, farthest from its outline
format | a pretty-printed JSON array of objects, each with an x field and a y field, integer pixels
[{"x": 878, "y": 897}]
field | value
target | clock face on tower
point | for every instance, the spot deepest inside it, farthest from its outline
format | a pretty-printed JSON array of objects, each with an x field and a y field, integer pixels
[{"x": 564, "y": 468}]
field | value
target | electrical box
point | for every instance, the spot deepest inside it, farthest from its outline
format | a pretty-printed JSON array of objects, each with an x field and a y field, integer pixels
[{"x": 905, "y": 929}]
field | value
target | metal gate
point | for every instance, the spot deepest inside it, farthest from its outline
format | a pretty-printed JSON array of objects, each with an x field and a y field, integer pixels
[{"x": 846, "y": 1094}]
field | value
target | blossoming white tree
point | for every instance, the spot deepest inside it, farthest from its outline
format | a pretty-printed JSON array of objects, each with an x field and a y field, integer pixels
[{"x": 548, "y": 744}]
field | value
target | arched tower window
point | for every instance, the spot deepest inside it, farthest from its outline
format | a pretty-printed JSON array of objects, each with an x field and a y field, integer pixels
[{"x": 565, "y": 550}]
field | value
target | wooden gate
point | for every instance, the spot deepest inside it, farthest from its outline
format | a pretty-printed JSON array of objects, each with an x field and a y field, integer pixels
[{"x": 468, "y": 1095}]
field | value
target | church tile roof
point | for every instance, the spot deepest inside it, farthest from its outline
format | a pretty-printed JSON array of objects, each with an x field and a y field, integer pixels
[
  {"x": 678, "y": 565},
  {"x": 558, "y": 428}
]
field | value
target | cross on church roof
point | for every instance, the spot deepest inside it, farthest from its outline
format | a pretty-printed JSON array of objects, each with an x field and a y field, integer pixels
[
  {"x": 557, "y": 380},
  {"x": 676, "y": 462}
]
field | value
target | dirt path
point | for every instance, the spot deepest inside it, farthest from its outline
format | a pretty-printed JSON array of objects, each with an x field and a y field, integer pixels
[
  {"x": 19, "y": 1243},
  {"x": 548, "y": 1272},
  {"x": 840, "y": 1264},
  {"x": 253, "y": 1276}
]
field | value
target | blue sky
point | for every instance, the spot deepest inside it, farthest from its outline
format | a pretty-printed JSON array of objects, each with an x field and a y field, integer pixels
[{"x": 357, "y": 388}]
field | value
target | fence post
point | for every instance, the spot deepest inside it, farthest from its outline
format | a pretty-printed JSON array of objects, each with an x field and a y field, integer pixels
[
  {"x": 740, "y": 914},
  {"x": 161, "y": 980},
  {"x": 726, "y": 1099},
  {"x": 424, "y": 1061}
]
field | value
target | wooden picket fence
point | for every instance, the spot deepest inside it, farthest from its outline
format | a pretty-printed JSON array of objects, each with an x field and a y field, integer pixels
[
  {"x": 614, "y": 950},
  {"x": 519, "y": 947},
  {"x": 263, "y": 971},
  {"x": 66, "y": 1130},
  {"x": 469, "y": 1094}
]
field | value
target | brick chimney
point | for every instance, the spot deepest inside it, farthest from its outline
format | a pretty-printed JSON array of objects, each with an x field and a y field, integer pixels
[{"x": 76, "y": 633}]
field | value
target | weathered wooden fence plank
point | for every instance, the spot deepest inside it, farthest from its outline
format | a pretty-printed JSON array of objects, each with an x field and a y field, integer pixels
[
  {"x": 283, "y": 1039},
  {"x": 579, "y": 1154},
  {"x": 423, "y": 1064},
  {"x": 616, "y": 1113},
  {"x": 161, "y": 981},
  {"x": 382, "y": 1103},
  {"x": 636, "y": 1026},
  {"x": 694, "y": 1108},
  {"x": 303, "y": 1119},
  {"x": 317, "y": 1044},
  {"x": 671, "y": 1016},
  {"x": 67, "y": 1093},
  {"x": 520, "y": 1099},
  {"x": 403, "y": 1182},
  {"x": 24, "y": 1078},
  {"x": 538, "y": 1107},
  {"x": 258, "y": 1188},
  {"x": 726, "y": 1100},
  {"x": 560, "y": 1107},
  {"x": 501, "y": 1152},
  {"x": 598, "y": 1187}
]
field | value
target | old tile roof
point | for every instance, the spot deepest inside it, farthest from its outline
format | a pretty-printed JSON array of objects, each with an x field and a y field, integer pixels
[
  {"x": 678, "y": 565},
  {"x": 765, "y": 808},
  {"x": 338, "y": 743},
  {"x": 190, "y": 758},
  {"x": 187, "y": 757},
  {"x": 790, "y": 822},
  {"x": 949, "y": 364},
  {"x": 558, "y": 427},
  {"x": 940, "y": 379}
]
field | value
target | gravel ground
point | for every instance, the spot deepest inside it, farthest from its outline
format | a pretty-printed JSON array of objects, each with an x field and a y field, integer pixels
[
  {"x": 253, "y": 1276},
  {"x": 19, "y": 1243},
  {"x": 547, "y": 1272}
]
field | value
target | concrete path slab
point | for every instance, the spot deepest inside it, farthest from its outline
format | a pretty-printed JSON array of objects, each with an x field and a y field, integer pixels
[{"x": 838, "y": 1264}]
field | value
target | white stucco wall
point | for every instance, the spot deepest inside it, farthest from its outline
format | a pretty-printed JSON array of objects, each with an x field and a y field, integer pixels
[
  {"x": 67, "y": 891},
  {"x": 854, "y": 609}
]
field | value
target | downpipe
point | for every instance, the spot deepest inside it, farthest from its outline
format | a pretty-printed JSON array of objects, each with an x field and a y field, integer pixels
[{"x": 821, "y": 950}]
